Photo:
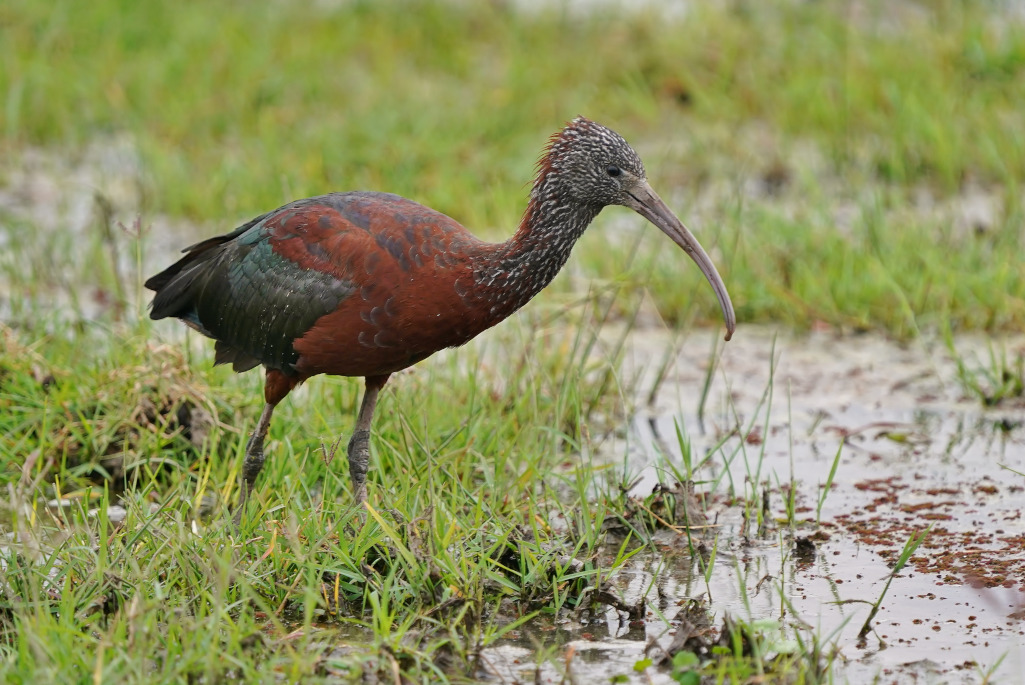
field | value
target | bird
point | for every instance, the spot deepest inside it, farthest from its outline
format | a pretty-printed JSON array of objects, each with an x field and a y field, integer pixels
[{"x": 366, "y": 284}]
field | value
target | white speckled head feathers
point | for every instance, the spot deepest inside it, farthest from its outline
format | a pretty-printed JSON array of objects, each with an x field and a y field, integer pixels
[{"x": 587, "y": 161}]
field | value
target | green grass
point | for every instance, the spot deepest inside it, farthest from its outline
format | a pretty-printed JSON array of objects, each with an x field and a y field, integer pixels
[
  {"x": 843, "y": 120},
  {"x": 842, "y": 109},
  {"x": 481, "y": 519},
  {"x": 993, "y": 381},
  {"x": 456, "y": 531}
]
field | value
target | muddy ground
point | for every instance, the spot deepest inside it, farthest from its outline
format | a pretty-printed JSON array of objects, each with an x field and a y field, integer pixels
[{"x": 917, "y": 450}]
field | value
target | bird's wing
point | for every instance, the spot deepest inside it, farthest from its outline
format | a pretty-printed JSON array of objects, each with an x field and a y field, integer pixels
[{"x": 258, "y": 288}]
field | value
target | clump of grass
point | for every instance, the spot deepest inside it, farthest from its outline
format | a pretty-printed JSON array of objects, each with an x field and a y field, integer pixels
[
  {"x": 999, "y": 379},
  {"x": 136, "y": 412}
]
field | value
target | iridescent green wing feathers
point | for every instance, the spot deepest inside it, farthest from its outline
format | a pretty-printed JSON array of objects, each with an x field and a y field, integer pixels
[{"x": 252, "y": 300}]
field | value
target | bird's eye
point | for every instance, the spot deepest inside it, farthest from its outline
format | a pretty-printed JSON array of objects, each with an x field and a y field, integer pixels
[{"x": 613, "y": 170}]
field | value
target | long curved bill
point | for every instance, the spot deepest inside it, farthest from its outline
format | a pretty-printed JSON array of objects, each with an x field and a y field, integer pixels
[{"x": 646, "y": 202}]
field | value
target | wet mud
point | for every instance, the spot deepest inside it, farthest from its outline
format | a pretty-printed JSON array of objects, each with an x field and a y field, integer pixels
[{"x": 918, "y": 452}]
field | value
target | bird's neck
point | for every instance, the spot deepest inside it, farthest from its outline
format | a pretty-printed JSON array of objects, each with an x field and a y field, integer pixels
[{"x": 521, "y": 267}]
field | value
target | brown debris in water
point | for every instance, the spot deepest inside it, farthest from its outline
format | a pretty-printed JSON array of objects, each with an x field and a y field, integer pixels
[{"x": 980, "y": 556}]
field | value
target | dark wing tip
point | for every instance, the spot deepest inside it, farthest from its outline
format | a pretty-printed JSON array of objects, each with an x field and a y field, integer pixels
[
  {"x": 239, "y": 360},
  {"x": 157, "y": 282}
]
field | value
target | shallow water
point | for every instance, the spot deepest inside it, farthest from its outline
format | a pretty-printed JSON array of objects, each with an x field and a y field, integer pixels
[{"x": 915, "y": 452}]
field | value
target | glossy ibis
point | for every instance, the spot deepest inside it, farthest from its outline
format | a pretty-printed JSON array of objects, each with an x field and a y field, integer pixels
[{"x": 366, "y": 283}]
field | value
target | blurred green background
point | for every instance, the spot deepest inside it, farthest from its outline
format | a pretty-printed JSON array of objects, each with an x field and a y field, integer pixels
[{"x": 854, "y": 164}]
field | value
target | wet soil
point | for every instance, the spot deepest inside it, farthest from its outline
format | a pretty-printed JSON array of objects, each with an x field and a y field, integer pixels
[{"x": 916, "y": 453}]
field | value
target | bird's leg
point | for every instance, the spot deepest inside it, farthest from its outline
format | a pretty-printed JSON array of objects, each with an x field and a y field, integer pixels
[
  {"x": 254, "y": 459},
  {"x": 359, "y": 444},
  {"x": 275, "y": 388}
]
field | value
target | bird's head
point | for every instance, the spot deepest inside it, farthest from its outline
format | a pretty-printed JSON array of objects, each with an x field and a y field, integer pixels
[{"x": 594, "y": 166}]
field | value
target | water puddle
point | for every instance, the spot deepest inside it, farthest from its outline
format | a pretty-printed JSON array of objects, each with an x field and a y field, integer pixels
[{"x": 915, "y": 454}]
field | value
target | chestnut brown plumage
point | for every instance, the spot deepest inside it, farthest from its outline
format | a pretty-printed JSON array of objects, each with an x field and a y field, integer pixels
[{"x": 366, "y": 284}]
